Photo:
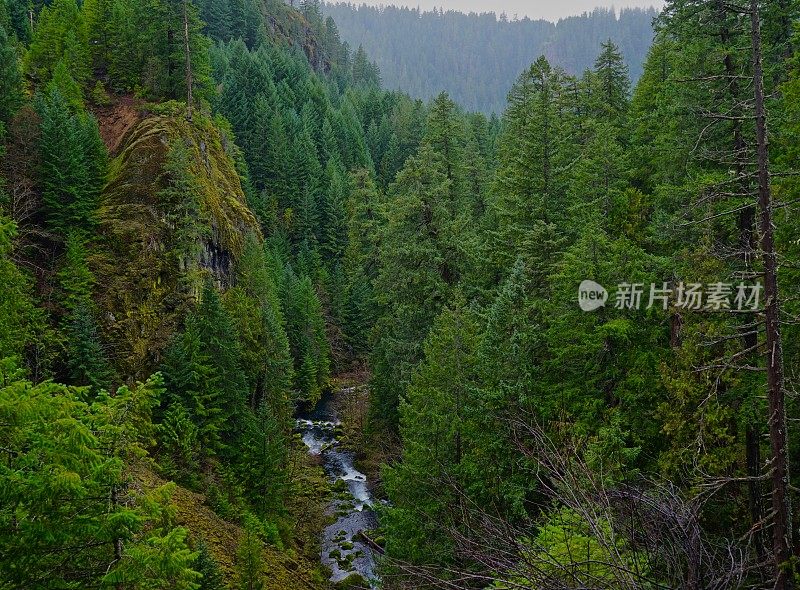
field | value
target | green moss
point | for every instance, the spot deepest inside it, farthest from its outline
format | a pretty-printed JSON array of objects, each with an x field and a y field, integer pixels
[{"x": 352, "y": 581}]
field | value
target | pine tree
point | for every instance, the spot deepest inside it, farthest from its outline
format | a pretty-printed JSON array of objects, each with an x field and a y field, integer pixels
[
  {"x": 10, "y": 78},
  {"x": 249, "y": 559},
  {"x": 435, "y": 427},
  {"x": 534, "y": 149},
  {"x": 60, "y": 34},
  {"x": 610, "y": 85},
  {"x": 305, "y": 327},
  {"x": 192, "y": 380},
  {"x": 73, "y": 162},
  {"x": 263, "y": 458},
  {"x": 86, "y": 359},
  {"x": 207, "y": 567},
  {"x": 255, "y": 310},
  {"x": 415, "y": 277},
  {"x": 217, "y": 16},
  {"x": 220, "y": 345},
  {"x": 333, "y": 215},
  {"x": 180, "y": 196},
  {"x": 67, "y": 459},
  {"x": 20, "y": 319},
  {"x": 180, "y": 447},
  {"x": 98, "y": 16}
]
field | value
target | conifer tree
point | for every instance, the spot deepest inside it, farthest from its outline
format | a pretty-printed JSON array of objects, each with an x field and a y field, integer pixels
[
  {"x": 434, "y": 424},
  {"x": 219, "y": 344},
  {"x": 536, "y": 145},
  {"x": 305, "y": 326},
  {"x": 610, "y": 85},
  {"x": 10, "y": 78},
  {"x": 20, "y": 318},
  {"x": 249, "y": 559},
  {"x": 73, "y": 165},
  {"x": 98, "y": 16},
  {"x": 415, "y": 277},
  {"x": 192, "y": 379},
  {"x": 255, "y": 310},
  {"x": 60, "y": 34}
]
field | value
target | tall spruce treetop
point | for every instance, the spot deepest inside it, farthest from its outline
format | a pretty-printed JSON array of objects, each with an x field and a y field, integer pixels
[{"x": 611, "y": 83}]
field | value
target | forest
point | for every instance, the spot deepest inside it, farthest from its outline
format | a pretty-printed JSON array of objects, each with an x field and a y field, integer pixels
[
  {"x": 477, "y": 57},
  {"x": 561, "y": 343}
]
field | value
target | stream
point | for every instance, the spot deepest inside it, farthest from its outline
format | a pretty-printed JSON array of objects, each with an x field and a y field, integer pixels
[{"x": 343, "y": 551}]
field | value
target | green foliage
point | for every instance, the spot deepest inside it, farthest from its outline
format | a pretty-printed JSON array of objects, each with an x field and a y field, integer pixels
[
  {"x": 73, "y": 164},
  {"x": 568, "y": 550},
  {"x": 212, "y": 577},
  {"x": 86, "y": 360},
  {"x": 149, "y": 53},
  {"x": 180, "y": 448},
  {"x": 476, "y": 57},
  {"x": 249, "y": 558},
  {"x": 22, "y": 323},
  {"x": 305, "y": 326},
  {"x": 63, "y": 490},
  {"x": 10, "y": 77},
  {"x": 60, "y": 35}
]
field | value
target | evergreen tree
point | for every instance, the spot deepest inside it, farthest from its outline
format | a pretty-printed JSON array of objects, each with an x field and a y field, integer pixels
[
  {"x": 534, "y": 149},
  {"x": 60, "y": 33},
  {"x": 192, "y": 380},
  {"x": 610, "y": 84},
  {"x": 220, "y": 345},
  {"x": 305, "y": 326},
  {"x": 21, "y": 321},
  {"x": 415, "y": 277},
  {"x": 255, "y": 310},
  {"x": 10, "y": 78},
  {"x": 98, "y": 16},
  {"x": 207, "y": 567},
  {"x": 73, "y": 162},
  {"x": 249, "y": 559},
  {"x": 435, "y": 426}
]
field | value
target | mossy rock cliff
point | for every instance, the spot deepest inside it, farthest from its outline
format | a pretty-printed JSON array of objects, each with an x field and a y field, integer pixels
[{"x": 145, "y": 288}]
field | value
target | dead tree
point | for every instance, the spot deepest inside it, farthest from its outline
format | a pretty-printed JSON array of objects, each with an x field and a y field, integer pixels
[
  {"x": 187, "y": 49},
  {"x": 646, "y": 536},
  {"x": 781, "y": 500}
]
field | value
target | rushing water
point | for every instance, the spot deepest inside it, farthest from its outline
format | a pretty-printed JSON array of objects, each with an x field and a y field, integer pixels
[{"x": 342, "y": 550}]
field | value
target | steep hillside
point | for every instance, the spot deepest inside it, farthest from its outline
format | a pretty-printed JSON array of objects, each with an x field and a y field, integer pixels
[{"x": 173, "y": 211}]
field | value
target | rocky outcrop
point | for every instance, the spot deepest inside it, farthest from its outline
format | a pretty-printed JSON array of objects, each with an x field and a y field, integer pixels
[{"x": 146, "y": 281}]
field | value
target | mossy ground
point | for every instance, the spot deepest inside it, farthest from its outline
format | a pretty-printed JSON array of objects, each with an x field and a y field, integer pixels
[
  {"x": 306, "y": 503},
  {"x": 288, "y": 569}
]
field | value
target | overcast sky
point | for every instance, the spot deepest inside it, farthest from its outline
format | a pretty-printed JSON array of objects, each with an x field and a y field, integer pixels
[{"x": 547, "y": 9}]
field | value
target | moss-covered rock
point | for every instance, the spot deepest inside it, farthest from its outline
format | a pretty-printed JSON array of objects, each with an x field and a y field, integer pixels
[
  {"x": 353, "y": 581},
  {"x": 146, "y": 286}
]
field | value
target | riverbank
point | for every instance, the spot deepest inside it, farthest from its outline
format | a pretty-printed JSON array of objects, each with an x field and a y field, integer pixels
[
  {"x": 345, "y": 552},
  {"x": 371, "y": 449}
]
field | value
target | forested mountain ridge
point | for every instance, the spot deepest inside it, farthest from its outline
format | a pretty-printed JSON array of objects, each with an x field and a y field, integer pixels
[
  {"x": 210, "y": 210},
  {"x": 477, "y": 57}
]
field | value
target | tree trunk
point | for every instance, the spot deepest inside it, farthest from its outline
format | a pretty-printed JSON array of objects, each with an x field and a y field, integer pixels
[
  {"x": 781, "y": 501},
  {"x": 189, "y": 81}
]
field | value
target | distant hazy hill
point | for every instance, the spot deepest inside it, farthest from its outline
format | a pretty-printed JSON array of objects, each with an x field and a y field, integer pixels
[{"x": 477, "y": 57}]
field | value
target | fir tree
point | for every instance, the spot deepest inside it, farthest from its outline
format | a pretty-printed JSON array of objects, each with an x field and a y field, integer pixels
[
  {"x": 73, "y": 162},
  {"x": 60, "y": 34},
  {"x": 10, "y": 78}
]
